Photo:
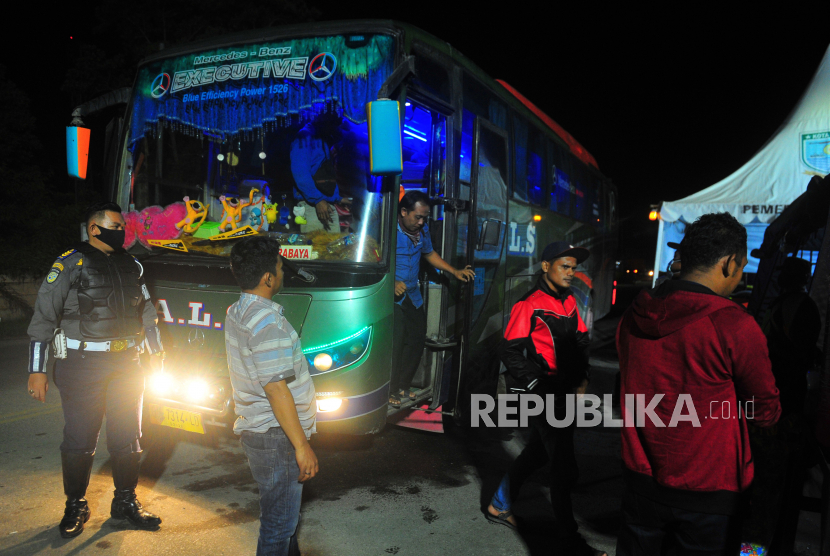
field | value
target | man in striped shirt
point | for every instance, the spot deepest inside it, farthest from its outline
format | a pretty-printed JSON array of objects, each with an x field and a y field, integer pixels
[{"x": 273, "y": 393}]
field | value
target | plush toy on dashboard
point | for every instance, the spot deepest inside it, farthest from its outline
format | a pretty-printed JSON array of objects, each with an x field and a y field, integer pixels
[
  {"x": 232, "y": 215},
  {"x": 254, "y": 216},
  {"x": 270, "y": 211},
  {"x": 299, "y": 215},
  {"x": 130, "y": 228},
  {"x": 154, "y": 222},
  {"x": 196, "y": 214}
]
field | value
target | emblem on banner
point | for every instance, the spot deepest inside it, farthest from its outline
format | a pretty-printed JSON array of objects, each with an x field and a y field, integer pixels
[
  {"x": 815, "y": 151},
  {"x": 322, "y": 66},
  {"x": 234, "y": 234},
  {"x": 160, "y": 86},
  {"x": 174, "y": 244}
]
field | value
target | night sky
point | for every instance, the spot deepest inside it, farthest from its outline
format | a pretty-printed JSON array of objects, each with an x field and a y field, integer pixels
[{"x": 668, "y": 100}]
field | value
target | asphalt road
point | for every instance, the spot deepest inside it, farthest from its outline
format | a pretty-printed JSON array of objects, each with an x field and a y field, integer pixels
[{"x": 399, "y": 492}]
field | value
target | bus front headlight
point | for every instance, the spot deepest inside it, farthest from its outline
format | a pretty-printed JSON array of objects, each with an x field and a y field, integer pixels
[
  {"x": 197, "y": 390},
  {"x": 339, "y": 354},
  {"x": 322, "y": 362},
  {"x": 161, "y": 383}
]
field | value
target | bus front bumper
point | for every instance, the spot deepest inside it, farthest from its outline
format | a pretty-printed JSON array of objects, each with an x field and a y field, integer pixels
[{"x": 188, "y": 402}]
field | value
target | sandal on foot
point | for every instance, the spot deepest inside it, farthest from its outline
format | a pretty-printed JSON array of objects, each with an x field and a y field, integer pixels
[
  {"x": 407, "y": 394},
  {"x": 501, "y": 518},
  {"x": 394, "y": 400}
]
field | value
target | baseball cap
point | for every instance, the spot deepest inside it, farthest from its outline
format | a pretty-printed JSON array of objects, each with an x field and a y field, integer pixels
[
  {"x": 676, "y": 247},
  {"x": 559, "y": 249}
]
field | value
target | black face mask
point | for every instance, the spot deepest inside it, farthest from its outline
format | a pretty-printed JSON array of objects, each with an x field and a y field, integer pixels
[{"x": 113, "y": 238}]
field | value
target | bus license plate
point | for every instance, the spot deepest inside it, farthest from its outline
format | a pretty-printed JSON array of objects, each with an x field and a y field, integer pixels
[{"x": 180, "y": 419}]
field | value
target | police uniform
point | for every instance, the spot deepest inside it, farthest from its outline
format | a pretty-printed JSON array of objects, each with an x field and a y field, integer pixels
[{"x": 102, "y": 304}]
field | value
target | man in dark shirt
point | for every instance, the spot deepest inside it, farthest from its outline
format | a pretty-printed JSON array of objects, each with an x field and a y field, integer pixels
[
  {"x": 96, "y": 294},
  {"x": 545, "y": 350},
  {"x": 687, "y": 341}
]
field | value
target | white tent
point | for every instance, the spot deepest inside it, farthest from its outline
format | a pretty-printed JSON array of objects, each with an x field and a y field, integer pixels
[{"x": 772, "y": 179}]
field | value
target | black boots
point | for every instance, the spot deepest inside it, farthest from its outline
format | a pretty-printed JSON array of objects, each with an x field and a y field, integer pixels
[
  {"x": 124, "y": 504},
  {"x": 76, "y": 470}
]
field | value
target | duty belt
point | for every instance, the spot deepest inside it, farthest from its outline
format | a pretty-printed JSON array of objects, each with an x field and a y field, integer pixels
[{"x": 112, "y": 345}]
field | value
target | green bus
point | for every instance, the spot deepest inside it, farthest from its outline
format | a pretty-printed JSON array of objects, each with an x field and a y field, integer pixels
[{"x": 247, "y": 120}]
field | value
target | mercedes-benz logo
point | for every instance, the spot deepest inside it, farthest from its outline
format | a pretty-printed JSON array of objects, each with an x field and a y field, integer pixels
[
  {"x": 196, "y": 338},
  {"x": 160, "y": 86},
  {"x": 322, "y": 66}
]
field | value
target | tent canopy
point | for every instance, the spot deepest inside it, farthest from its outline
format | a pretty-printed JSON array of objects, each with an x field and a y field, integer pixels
[{"x": 760, "y": 189}]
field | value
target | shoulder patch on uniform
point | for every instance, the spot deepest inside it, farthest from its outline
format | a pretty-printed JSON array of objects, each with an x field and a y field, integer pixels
[
  {"x": 62, "y": 257},
  {"x": 59, "y": 266},
  {"x": 80, "y": 262},
  {"x": 52, "y": 276}
]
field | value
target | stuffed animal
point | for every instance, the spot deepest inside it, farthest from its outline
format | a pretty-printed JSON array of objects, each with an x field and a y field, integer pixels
[
  {"x": 299, "y": 215},
  {"x": 154, "y": 222},
  {"x": 255, "y": 219},
  {"x": 196, "y": 214},
  {"x": 232, "y": 215},
  {"x": 270, "y": 211},
  {"x": 130, "y": 228},
  {"x": 252, "y": 213}
]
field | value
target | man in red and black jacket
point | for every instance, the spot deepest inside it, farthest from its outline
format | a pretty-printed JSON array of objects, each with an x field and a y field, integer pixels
[
  {"x": 687, "y": 340},
  {"x": 545, "y": 351}
]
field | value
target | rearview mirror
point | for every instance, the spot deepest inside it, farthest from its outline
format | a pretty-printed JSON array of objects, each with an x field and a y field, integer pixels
[
  {"x": 385, "y": 152},
  {"x": 77, "y": 151}
]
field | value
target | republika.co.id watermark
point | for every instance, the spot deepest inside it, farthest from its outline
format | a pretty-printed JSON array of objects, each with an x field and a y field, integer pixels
[{"x": 514, "y": 410}]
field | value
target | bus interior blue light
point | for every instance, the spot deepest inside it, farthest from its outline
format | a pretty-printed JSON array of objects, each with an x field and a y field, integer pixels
[
  {"x": 409, "y": 127},
  {"x": 415, "y": 136}
]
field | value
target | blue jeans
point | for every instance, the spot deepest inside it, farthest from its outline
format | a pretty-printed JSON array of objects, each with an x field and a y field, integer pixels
[
  {"x": 546, "y": 443},
  {"x": 274, "y": 467}
]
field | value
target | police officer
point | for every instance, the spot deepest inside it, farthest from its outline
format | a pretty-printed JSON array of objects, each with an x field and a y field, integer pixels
[{"x": 95, "y": 293}]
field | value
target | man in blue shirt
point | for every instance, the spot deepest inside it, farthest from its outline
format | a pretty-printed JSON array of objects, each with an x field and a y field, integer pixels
[
  {"x": 315, "y": 171},
  {"x": 410, "y": 319}
]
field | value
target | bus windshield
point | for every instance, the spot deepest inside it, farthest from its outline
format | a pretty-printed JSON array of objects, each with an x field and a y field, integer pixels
[{"x": 270, "y": 135}]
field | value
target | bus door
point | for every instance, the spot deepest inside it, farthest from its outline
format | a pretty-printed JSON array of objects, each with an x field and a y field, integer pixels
[
  {"x": 424, "y": 169},
  {"x": 482, "y": 313}
]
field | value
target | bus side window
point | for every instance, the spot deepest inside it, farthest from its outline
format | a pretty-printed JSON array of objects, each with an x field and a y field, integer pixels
[
  {"x": 581, "y": 197},
  {"x": 465, "y": 157},
  {"x": 491, "y": 206},
  {"x": 536, "y": 189},
  {"x": 529, "y": 184},
  {"x": 481, "y": 102},
  {"x": 596, "y": 201},
  {"x": 431, "y": 75},
  {"x": 520, "y": 154},
  {"x": 561, "y": 198}
]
